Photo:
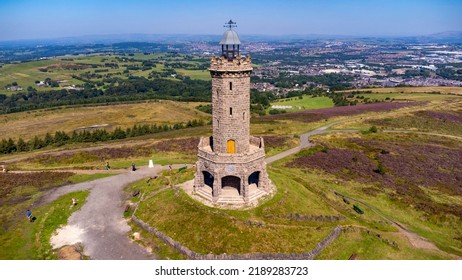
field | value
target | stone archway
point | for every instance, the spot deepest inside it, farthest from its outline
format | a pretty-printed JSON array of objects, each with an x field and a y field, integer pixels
[
  {"x": 231, "y": 184},
  {"x": 254, "y": 178},
  {"x": 208, "y": 179}
]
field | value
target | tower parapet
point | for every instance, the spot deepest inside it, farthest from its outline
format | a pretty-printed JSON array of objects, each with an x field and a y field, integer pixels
[{"x": 222, "y": 64}]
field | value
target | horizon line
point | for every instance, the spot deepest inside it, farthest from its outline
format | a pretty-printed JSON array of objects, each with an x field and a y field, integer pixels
[{"x": 218, "y": 35}]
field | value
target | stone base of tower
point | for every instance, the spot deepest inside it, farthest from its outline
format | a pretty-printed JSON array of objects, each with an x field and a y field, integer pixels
[{"x": 232, "y": 178}]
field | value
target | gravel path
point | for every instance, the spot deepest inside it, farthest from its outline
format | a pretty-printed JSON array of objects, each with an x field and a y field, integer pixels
[
  {"x": 99, "y": 225},
  {"x": 305, "y": 141}
]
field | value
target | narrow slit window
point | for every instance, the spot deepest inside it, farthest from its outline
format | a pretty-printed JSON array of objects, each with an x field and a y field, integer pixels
[
  {"x": 230, "y": 111},
  {"x": 230, "y": 85},
  {"x": 243, "y": 116}
]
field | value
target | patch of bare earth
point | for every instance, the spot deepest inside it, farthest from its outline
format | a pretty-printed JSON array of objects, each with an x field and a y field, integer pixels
[{"x": 69, "y": 252}]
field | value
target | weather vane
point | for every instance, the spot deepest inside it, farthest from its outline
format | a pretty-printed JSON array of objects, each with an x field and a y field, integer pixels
[{"x": 230, "y": 24}]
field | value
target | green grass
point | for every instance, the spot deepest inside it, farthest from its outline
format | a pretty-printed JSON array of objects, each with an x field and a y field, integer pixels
[
  {"x": 80, "y": 178},
  {"x": 191, "y": 224},
  {"x": 289, "y": 144},
  {"x": 27, "y": 240},
  {"x": 156, "y": 245},
  {"x": 306, "y": 103},
  {"x": 195, "y": 74},
  {"x": 369, "y": 246}
]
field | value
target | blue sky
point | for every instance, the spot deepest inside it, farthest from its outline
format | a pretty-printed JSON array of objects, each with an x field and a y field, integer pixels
[{"x": 31, "y": 19}]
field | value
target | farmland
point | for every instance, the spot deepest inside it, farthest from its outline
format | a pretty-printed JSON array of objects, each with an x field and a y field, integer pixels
[
  {"x": 304, "y": 103},
  {"x": 67, "y": 69}
]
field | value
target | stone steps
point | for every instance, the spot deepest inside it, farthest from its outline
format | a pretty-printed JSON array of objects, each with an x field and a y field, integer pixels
[
  {"x": 231, "y": 200},
  {"x": 204, "y": 194},
  {"x": 256, "y": 194}
]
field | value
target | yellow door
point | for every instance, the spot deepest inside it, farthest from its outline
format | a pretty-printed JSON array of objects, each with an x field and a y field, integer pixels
[{"x": 231, "y": 147}]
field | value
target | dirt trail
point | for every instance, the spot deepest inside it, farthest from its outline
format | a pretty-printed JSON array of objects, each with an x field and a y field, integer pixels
[{"x": 99, "y": 225}]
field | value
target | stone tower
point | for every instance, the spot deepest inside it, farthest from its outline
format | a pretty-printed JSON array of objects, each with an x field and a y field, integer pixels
[{"x": 231, "y": 164}]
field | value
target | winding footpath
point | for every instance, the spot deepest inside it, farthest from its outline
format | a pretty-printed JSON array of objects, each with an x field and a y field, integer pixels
[
  {"x": 99, "y": 225},
  {"x": 103, "y": 231}
]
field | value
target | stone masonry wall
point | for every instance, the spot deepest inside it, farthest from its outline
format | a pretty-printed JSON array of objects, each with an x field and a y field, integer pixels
[
  {"x": 230, "y": 109},
  {"x": 275, "y": 256}
]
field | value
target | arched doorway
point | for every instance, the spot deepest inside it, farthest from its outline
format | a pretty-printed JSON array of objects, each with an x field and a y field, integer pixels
[
  {"x": 208, "y": 179},
  {"x": 254, "y": 178},
  {"x": 231, "y": 185},
  {"x": 231, "y": 147}
]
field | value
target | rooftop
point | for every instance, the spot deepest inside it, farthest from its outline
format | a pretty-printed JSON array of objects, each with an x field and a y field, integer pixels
[{"x": 230, "y": 37}]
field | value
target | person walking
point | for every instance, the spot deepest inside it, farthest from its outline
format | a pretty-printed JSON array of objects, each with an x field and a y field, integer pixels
[
  {"x": 29, "y": 215},
  {"x": 108, "y": 167},
  {"x": 133, "y": 166}
]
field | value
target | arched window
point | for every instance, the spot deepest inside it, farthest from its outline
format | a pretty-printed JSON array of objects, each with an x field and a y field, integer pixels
[{"x": 231, "y": 147}]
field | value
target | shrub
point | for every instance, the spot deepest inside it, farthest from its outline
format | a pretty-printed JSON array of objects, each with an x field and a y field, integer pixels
[{"x": 373, "y": 129}]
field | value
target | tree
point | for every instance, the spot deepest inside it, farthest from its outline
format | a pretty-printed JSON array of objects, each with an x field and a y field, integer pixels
[
  {"x": 61, "y": 138},
  {"x": 37, "y": 143},
  {"x": 48, "y": 140},
  {"x": 11, "y": 146},
  {"x": 21, "y": 145},
  {"x": 118, "y": 133}
]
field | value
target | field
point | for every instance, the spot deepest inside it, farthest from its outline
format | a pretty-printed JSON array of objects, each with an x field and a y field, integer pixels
[
  {"x": 39, "y": 122},
  {"x": 306, "y": 103},
  {"x": 445, "y": 90},
  {"x": 25, "y": 74},
  {"x": 410, "y": 96},
  {"x": 328, "y": 113},
  {"x": 63, "y": 68}
]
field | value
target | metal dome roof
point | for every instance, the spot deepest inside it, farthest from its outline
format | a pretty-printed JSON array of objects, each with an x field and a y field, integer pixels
[{"x": 230, "y": 37}]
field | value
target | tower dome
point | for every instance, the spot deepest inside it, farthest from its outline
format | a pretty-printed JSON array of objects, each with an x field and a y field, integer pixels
[
  {"x": 230, "y": 42},
  {"x": 230, "y": 37}
]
